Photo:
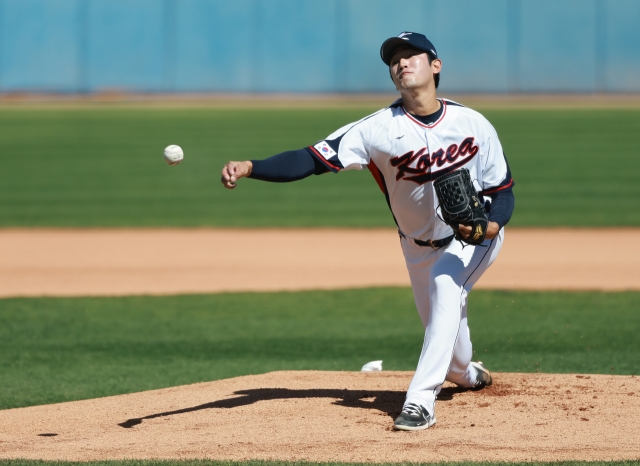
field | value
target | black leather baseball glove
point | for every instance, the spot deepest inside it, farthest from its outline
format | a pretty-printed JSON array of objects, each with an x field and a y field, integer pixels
[{"x": 461, "y": 204}]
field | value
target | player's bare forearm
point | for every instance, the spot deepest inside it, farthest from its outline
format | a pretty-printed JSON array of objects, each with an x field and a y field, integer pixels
[
  {"x": 492, "y": 230},
  {"x": 233, "y": 171}
]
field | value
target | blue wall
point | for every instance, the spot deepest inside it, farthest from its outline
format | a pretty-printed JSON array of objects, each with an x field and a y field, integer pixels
[{"x": 315, "y": 45}]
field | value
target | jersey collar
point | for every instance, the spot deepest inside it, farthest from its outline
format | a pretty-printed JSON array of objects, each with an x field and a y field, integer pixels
[{"x": 432, "y": 125}]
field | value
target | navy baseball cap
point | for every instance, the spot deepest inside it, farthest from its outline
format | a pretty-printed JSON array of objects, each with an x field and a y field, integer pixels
[{"x": 414, "y": 39}]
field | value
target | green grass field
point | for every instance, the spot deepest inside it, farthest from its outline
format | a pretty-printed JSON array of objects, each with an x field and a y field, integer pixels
[
  {"x": 84, "y": 167},
  {"x": 55, "y": 350}
]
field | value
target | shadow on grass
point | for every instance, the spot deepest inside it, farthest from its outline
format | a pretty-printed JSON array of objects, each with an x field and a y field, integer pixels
[{"x": 387, "y": 401}]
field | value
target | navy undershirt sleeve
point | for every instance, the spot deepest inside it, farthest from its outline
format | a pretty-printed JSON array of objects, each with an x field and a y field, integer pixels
[
  {"x": 288, "y": 166},
  {"x": 502, "y": 204}
]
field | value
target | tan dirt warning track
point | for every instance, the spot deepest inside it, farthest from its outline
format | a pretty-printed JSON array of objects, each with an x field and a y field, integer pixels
[
  {"x": 338, "y": 416},
  {"x": 172, "y": 261}
]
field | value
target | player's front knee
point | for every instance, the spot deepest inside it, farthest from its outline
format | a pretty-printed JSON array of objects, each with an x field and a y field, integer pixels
[{"x": 442, "y": 282}]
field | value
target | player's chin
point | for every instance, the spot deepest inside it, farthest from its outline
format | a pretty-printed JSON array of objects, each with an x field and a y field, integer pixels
[{"x": 407, "y": 82}]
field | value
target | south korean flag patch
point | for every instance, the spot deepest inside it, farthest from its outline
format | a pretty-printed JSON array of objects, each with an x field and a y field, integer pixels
[{"x": 325, "y": 150}]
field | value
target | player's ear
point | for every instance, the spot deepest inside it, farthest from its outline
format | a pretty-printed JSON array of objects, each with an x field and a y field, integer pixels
[{"x": 436, "y": 66}]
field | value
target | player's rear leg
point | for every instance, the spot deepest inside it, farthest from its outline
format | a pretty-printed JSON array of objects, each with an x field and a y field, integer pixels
[
  {"x": 461, "y": 372},
  {"x": 464, "y": 372}
]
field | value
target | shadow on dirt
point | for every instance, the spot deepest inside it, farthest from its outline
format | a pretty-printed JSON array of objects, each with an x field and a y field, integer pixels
[{"x": 387, "y": 401}]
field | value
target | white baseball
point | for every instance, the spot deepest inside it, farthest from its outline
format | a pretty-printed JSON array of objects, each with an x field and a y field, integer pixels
[{"x": 173, "y": 155}]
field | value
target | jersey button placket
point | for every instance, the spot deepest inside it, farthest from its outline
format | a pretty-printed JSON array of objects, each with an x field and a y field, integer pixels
[{"x": 426, "y": 144}]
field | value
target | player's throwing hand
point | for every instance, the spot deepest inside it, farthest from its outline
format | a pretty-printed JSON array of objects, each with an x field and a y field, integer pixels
[{"x": 233, "y": 171}]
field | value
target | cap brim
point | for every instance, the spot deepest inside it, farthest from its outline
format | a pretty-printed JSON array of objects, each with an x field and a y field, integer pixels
[{"x": 389, "y": 45}]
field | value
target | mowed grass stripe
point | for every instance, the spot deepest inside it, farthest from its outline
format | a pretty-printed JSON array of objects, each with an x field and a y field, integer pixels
[
  {"x": 54, "y": 350},
  {"x": 87, "y": 167}
]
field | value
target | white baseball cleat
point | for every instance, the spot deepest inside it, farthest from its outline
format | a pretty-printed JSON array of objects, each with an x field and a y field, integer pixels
[{"x": 483, "y": 377}]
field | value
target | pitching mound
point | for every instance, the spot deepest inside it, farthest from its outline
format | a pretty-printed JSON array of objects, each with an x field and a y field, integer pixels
[{"x": 338, "y": 416}]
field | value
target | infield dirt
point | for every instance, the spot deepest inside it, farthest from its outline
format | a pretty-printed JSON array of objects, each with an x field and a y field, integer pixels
[
  {"x": 338, "y": 416},
  {"x": 172, "y": 261}
]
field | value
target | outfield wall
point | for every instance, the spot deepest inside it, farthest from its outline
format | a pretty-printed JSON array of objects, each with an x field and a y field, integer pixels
[{"x": 306, "y": 46}]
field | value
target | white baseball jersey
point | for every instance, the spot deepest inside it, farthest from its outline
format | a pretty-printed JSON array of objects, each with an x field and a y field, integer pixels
[{"x": 405, "y": 156}]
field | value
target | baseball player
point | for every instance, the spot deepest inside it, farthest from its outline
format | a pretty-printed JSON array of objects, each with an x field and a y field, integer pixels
[{"x": 406, "y": 146}]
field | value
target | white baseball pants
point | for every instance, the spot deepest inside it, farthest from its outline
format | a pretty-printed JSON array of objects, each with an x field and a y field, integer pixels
[{"x": 441, "y": 280}]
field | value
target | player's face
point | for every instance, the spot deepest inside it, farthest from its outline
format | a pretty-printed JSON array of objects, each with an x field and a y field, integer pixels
[{"x": 410, "y": 68}]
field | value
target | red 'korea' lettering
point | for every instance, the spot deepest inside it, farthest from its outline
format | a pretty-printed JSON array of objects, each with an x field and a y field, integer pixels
[{"x": 417, "y": 166}]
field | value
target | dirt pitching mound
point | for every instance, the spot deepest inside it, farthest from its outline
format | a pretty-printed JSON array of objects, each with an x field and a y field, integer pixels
[{"x": 338, "y": 416}]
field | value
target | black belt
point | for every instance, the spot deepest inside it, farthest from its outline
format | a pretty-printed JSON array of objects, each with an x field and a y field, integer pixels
[{"x": 435, "y": 244}]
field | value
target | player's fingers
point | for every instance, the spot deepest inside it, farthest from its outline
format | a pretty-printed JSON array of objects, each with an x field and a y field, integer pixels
[
  {"x": 228, "y": 184},
  {"x": 225, "y": 172},
  {"x": 239, "y": 171},
  {"x": 465, "y": 230},
  {"x": 232, "y": 172},
  {"x": 227, "y": 179}
]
